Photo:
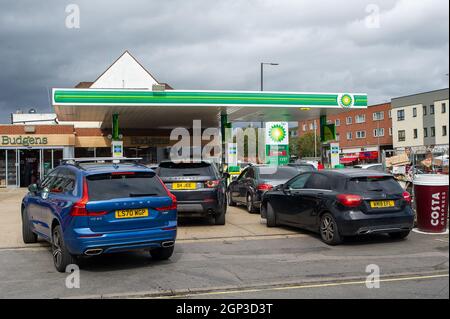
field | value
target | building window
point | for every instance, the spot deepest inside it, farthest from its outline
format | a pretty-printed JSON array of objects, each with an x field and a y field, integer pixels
[
  {"x": 424, "y": 110},
  {"x": 390, "y": 114},
  {"x": 304, "y": 127},
  {"x": 338, "y": 137},
  {"x": 443, "y": 108},
  {"x": 425, "y": 132},
  {"x": 349, "y": 120},
  {"x": 415, "y": 112},
  {"x": 431, "y": 109},
  {"x": 378, "y": 132},
  {"x": 401, "y": 136},
  {"x": 349, "y": 136},
  {"x": 400, "y": 115},
  {"x": 390, "y": 131},
  {"x": 337, "y": 122},
  {"x": 433, "y": 131},
  {"x": 361, "y": 134},
  {"x": 415, "y": 133},
  {"x": 378, "y": 116},
  {"x": 444, "y": 130},
  {"x": 360, "y": 118}
]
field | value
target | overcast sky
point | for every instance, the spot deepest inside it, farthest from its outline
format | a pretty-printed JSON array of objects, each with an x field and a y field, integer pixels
[{"x": 322, "y": 45}]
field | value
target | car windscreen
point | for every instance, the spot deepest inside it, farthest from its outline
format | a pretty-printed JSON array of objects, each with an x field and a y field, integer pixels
[
  {"x": 280, "y": 173},
  {"x": 185, "y": 169},
  {"x": 124, "y": 184},
  {"x": 385, "y": 184}
]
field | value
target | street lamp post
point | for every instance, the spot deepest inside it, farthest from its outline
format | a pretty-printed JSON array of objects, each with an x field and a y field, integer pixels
[
  {"x": 262, "y": 73},
  {"x": 262, "y": 78}
]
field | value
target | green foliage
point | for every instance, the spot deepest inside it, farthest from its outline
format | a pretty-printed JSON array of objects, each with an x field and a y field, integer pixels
[{"x": 305, "y": 145}]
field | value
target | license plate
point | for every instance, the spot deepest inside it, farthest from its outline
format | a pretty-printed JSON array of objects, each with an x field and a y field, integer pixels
[
  {"x": 184, "y": 186},
  {"x": 382, "y": 204},
  {"x": 132, "y": 213}
]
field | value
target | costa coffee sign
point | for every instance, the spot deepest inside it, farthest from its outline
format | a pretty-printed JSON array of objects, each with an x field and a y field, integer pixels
[
  {"x": 438, "y": 209},
  {"x": 431, "y": 192}
]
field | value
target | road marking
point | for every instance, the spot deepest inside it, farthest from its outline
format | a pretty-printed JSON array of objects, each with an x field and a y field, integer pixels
[{"x": 304, "y": 286}]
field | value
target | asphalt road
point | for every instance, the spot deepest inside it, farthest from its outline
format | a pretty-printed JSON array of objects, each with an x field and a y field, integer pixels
[{"x": 268, "y": 267}]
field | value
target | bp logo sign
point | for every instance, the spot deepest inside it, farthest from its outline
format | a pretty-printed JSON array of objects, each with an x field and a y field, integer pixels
[
  {"x": 277, "y": 133},
  {"x": 346, "y": 100}
]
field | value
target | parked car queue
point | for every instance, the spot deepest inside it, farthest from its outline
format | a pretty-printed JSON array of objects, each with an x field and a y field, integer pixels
[{"x": 87, "y": 208}]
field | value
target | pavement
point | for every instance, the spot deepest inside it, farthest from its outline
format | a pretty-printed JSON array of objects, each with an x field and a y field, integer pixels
[{"x": 243, "y": 259}]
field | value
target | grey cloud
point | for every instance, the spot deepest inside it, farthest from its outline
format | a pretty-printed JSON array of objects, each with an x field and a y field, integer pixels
[{"x": 320, "y": 45}]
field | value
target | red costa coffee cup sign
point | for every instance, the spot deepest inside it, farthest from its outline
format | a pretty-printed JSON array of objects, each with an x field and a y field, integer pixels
[{"x": 431, "y": 197}]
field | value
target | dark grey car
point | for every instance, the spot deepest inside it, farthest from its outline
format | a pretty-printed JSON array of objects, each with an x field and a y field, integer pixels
[{"x": 254, "y": 181}]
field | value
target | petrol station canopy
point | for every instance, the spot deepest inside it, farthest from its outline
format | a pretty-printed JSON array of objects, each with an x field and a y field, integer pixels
[
  {"x": 147, "y": 108},
  {"x": 128, "y": 89}
]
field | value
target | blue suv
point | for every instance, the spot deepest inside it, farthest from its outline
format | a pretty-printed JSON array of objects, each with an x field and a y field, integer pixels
[{"x": 88, "y": 208}]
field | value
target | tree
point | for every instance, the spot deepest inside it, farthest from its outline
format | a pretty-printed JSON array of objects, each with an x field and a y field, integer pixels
[
  {"x": 293, "y": 146},
  {"x": 306, "y": 145}
]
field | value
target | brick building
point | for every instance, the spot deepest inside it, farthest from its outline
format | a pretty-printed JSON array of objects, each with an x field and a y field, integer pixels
[{"x": 361, "y": 134}]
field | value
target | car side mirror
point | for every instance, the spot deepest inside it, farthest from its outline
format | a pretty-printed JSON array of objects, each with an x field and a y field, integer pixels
[
  {"x": 286, "y": 189},
  {"x": 44, "y": 193},
  {"x": 226, "y": 175},
  {"x": 279, "y": 187},
  {"x": 33, "y": 188}
]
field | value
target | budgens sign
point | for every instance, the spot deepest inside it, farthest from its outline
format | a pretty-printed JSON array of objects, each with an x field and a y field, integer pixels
[{"x": 21, "y": 140}]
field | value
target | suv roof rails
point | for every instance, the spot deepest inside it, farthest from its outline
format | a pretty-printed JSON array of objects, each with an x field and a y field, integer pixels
[{"x": 116, "y": 160}]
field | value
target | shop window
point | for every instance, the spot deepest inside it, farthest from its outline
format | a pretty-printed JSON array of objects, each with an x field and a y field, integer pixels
[{"x": 84, "y": 152}]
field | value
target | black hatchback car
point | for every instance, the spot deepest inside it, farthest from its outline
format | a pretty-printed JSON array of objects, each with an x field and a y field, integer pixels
[
  {"x": 198, "y": 187},
  {"x": 254, "y": 181},
  {"x": 339, "y": 203}
]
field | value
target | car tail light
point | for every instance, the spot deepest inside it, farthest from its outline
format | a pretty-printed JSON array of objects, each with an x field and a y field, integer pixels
[
  {"x": 407, "y": 197},
  {"x": 264, "y": 187},
  {"x": 172, "y": 196},
  {"x": 79, "y": 208},
  {"x": 349, "y": 200},
  {"x": 212, "y": 184}
]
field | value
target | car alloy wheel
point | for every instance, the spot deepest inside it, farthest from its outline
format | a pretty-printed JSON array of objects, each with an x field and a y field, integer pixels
[
  {"x": 327, "y": 228},
  {"x": 56, "y": 248}
]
